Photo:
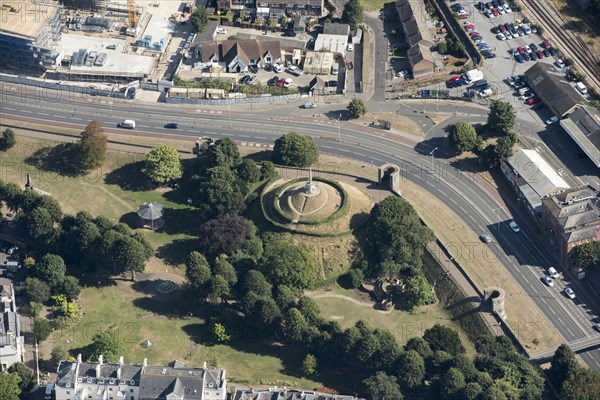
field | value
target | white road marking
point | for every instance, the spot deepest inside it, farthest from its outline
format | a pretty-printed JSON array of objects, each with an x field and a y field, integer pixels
[
  {"x": 143, "y": 126},
  {"x": 27, "y": 111},
  {"x": 11, "y": 109},
  {"x": 449, "y": 198},
  {"x": 56, "y": 116},
  {"x": 76, "y": 119}
]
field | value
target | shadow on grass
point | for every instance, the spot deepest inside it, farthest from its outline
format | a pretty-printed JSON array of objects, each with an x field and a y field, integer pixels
[
  {"x": 130, "y": 177},
  {"x": 176, "y": 252},
  {"x": 182, "y": 220},
  {"x": 131, "y": 219},
  {"x": 61, "y": 159}
]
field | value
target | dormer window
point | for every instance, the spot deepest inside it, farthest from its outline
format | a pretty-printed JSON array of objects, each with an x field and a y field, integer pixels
[
  {"x": 79, "y": 380},
  {"x": 132, "y": 382},
  {"x": 101, "y": 381},
  {"x": 89, "y": 380},
  {"x": 112, "y": 381}
]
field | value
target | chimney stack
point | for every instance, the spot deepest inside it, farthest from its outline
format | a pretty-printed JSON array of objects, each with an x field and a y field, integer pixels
[
  {"x": 99, "y": 366},
  {"x": 100, "y": 359},
  {"x": 79, "y": 357},
  {"x": 121, "y": 360},
  {"x": 145, "y": 364},
  {"x": 204, "y": 365}
]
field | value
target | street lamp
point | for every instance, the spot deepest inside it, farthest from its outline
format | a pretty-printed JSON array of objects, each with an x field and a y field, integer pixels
[
  {"x": 432, "y": 157},
  {"x": 339, "y": 129}
]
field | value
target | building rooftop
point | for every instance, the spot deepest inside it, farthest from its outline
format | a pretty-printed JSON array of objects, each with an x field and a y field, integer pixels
[
  {"x": 537, "y": 172},
  {"x": 333, "y": 28},
  {"x": 555, "y": 92},
  {"x": 286, "y": 394},
  {"x": 583, "y": 126},
  {"x": 25, "y": 18}
]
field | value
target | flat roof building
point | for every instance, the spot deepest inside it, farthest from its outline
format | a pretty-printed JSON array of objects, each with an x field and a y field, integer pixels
[
  {"x": 583, "y": 125},
  {"x": 318, "y": 62}
]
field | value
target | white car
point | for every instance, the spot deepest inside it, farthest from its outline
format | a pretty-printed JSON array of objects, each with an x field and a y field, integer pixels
[
  {"x": 560, "y": 63},
  {"x": 552, "y": 120},
  {"x": 12, "y": 250},
  {"x": 513, "y": 225},
  {"x": 548, "y": 281},
  {"x": 401, "y": 74},
  {"x": 310, "y": 104},
  {"x": 287, "y": 83},
  {"x": 222, "y": 31},
  {"x": 350, "y": 47},
  {"x": 485, "y": 92},
  {"x": 570, "y": 293},
  {"x": 553, "y": 273},
  {"x": 507, "y": 8},
  {"x": 277, "y": 68},
  {"x": 500, "y": 36}
]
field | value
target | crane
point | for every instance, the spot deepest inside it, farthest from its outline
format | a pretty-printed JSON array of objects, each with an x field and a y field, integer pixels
[{"x": 132, "y": 29}]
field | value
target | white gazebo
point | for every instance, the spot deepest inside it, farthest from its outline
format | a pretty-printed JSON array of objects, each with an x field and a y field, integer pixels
[{"x": 151, "y": 215}]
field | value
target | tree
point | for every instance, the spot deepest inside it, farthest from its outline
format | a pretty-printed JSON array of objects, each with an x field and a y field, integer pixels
[
  {"x": 411, "y": 369},
  {"x": 218, "y": 288},
  {"x": 419, "y": 345},
  {"x": 163, "y": 164},
  {"x": 501, "y": 118},
  {"x": 51, "y": 269},
  {"x": 267, "y": 170},
  {"x": 285, "y": 297},
  {"x": 587, "y": 254},
  {"x": 37, "y": 290},
  {"x": 462, "y": 137},
  {"x": 443, "y": 338},
  {"x": 388, "y": 350},
  {"x": 40, "y": 227},
  {"x": 563, "y": 364},
  {"x": 310, "y": 310},
  {"x": 396, "y": 233},
  {"x": 309, "y": 365},
  {"x": 383, "y": 386},
  {"x": 57, "y": 355},
  {"x": 199, "y": 19},
  {"x": 92, "y": 146},
  {"x": 224, "y": 235},
  {"x": 581, "y": 384},
  {"x": 285, "y": 263},
  {"x": 129, "y": 255},
  {"x": 69, "y": 287},
  {"x": 266, "y": 312},
  {"x": 248, "y": 171},
  {"x": 197, "y": 271},
  {"x": 418, "y": 292},
  {"x": 295, "y": 150},
  {"x": 9, "y": 386},
  {"x": 442, "y": 47},
  {"x": 41, "y": 329},
  {"x": 255, "y": 282},
  {"x": 11, "y": 194},
  {"x": 8, "y": 139},
  {"x": 353, "y": 13},
  {"x": 357, "y": 106},
  {"x": 220, "y": 333},
  {"x": 25, "y": 373},
  {"x": 220, "y": 193},
  {"x": 354, "y": 278},
  {"x": 494, "y": 154},
  {"x": 223, "y": 268},
  {"x": 451, "y": 384},
  {"x": 108, "y": 344},
  {"x": 224, "y": 152},
  {"x": 295, "y": 326}
]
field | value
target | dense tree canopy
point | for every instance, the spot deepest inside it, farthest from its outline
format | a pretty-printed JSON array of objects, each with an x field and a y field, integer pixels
[
  {"x": 51, "y": 269},
  {"x": 108, "y": 344},
  {"x": 37, "y": 290},
  {"x": 8, "y": 139},
  {"x": 224, "y": 152},
  {"x": 224, "y": 235},
  {"x": 285, "y": 263},
  {"x": 9, "y": 386},
  {"x": 129, "y": 255},
  {"x": 357, "y": 106},
  {"x": 383, "y": 386},
  {"x": 418, "y": 292},
  {"x": 25, "y": 373},
  {"x": 197, "y": 271},
  {"x": 396, "y": 233},
  {"x": 91, "y": 149},
  {"x": 221, "y": 193},
  {"x": 443, "y": 338},
  {"x": 587, "y": 255},
  {"x": 501, "y": 118},
  {"x": 295, "y": 150},
  {"x": 41, "y": 329},
  {"x": 353, "y": 13},
  {"x": 462, "y": 137},
  {"x": 199, "y": 19},
  {"x": 411, "y": 369},
  {"x": 248, "y": 171},
  {"x": 163, "y": 164}
]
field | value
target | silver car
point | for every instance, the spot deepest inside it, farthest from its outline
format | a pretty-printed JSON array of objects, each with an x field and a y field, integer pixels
[{"x": 310, "y": 104}]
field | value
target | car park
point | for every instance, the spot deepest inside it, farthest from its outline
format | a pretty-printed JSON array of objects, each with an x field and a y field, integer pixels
[
  {"x": 172, "y": 125},
  {"x": 548, "y": 281},
  {"x": 552, "y": 120},
  {"x": 485, "y": 238},
  {"x": 570, "y": 293},
  {"x": 513, "y": 225},
  {"x": 553, "y": 273}
]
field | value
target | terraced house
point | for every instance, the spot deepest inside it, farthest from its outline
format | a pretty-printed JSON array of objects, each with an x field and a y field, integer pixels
[
  {"x": 11, "y": 341},
  {"x": 276, "y": 8}
]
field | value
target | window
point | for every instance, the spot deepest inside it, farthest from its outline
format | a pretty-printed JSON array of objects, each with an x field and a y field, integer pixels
[
  {"x": 110, "y": 389},
  {"x": 130, "y": 390},
  {"x": 68, "y": 392}
]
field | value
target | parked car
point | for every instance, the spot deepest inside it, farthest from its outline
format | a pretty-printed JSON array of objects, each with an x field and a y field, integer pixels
[
  {"x": 553, "y": 273},
  {"x": 552, "y": 120},
  {"x": 485, "y": 92},
  {"x": 273, "y": 81},
  {"x": 172, "y": 125},
  {"x": 507, "y": 8},
  {"x": 277, "y": 68},
  {"x": 548, "y": 281},
  {"x": 289, "y": 34},
  {"x": 560, "y": 63},
  {"x": 251, "y": 80},
  {"x": 500, "y": 36},
  {"x": 287, "y": 83},
  {"x": 502, "y": 28},
  {"x": 401, "y": 74},
  {"x": 488, "y": 13},
  {"x": 540, "y": 54},
  {"x": 546, "y": 52},
  {"x": 533, "y": 56},
  {"x": 513, "y": 225},
  {"x": 546, "y": 44},
  {"x": 533, "y": 47},
  {"x": 533, "y": 100},
  {"x": 331, "y": 83},
  {"x": 510, "y": 80},
  {"x": 244, "y": 79},
  {"x": 485, "y": 238},
  {"x": 222, "y": 31},
  {"x": 521, "y": 50},
  {"x": 12, "y": 250},
  {"x": 281, "y": 82},
  {"x": 552, "y": 51},
  {"x": 310, "y": 104},
  {"x": 519, "y": 58},
  {"x": 253, "y": 69},
  {"x": 570, "y": 293},
  {"x": 495, "y": 12},
  {"x": 526, "y": 28},
  {"x": 350, "y": 47}
]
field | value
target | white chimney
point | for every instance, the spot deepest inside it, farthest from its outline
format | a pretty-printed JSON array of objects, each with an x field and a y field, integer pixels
[
  {"x": 204, "y": 365},
  {"x": 79, "y": 357},
  {"x": 145, "y": 364},
  {"x": 100, "y": 359},
  {"x": 121, "y": 360}
]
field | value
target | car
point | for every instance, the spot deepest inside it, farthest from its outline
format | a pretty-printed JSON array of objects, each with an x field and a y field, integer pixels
[
  {"x": 514, "y": 32},
  {"x": 540, "y": 53},
  {"x": 483, "y": 45},
  {"x": 485, "y": 92},
  {"x": 477, "y": 39},
  {"x": 481, "y": 6},
  {"x": 508, "y": 35},
  {"x": 527, "y": 29},
  {"x": 502, "y": 28},
  {"x": 552, "y": 120},
  {"x": 513, "y": 225},
  {"x": 527, "y": 49},
  {"x": 251, "y": 80},
  {"x": 310, "y": 104},
  {"x": 273, "y": 81},
  {"x": 488, "y": 6},
  {"x": 534, "y": 29},
  {"x": 244, "y": 79},
  {"x": 495, "y": 12},
  {"x": 469, "y": 26},
  {"x": 500, "y": 36},
  {"x": 488, "y": 13},
  {"x": 510, "y": 80},
  {"x": 289, "y": 34},
  {"x": 488, "y": 54},
  {"x": 553, "y": 273},
  {"x": 520, "y": 31},
  {"x": 401, "y": 74},
  {"x": 546, "y": 52},
  {"x": 560, "y": 63},
  {"x": 253, "y": 69},
  {"x": 546, "y": 44},
  {"x": 533, "y": 47},
  {"x": 521, "y": 50},
  {"x": 222, "y": 31},
  {"x": 526, "y": 20},
  {"x": 495, "y": 30},
  {"x": 552, "y": 51},
  {"x": 526, "y": 56},
  {"x": 331, "y": 83},
  {"x": 533, "y": 100},
  {"x": 570, "y": 293},
  {"x": 464, "y": 16},
  {"x": 277, "y": 68},
  {"x": 472, "y": 30},
  {"x": 519, "y": 22},
  {"x": 507, "y": 26},
  {"x": 533, "y": 56},
  {"x": 12, "y": 250},
  {"x": 281, "y": 82},
  {"x": 548, "y": 281},
  {"x": 519, "y": 58},
  {"x": 501, "y": 10},
  {"x": 452, "y": 80},
  {"x": 172, "y": 125},
  {"x": 485, "y": 238},
  {"x": 507, "y": 8},
  {"x": 350, "y": 47},
  {"x": 527, "y": 96}
]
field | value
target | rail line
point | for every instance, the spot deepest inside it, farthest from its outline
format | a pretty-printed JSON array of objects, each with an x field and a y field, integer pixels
[{"x": 570, "y": 43}]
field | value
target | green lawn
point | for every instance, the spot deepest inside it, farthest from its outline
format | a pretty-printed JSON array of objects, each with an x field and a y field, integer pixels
[{"x": 372, "y": 5}]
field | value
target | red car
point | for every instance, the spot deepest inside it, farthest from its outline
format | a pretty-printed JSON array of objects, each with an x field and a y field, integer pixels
[
  {"x": 540, "y": 54},
  {"x": 495, "y": 12},
  {"x": 281, "y": 82},
  {"x": 469, "y": 26},
  {"x": 546, "y": 44},
  {"x": 533, "y": 100},
  {"x": 464, "y": 16},
  {"x": 453, "y": 79},
  {"x": 521, "y": 50}
]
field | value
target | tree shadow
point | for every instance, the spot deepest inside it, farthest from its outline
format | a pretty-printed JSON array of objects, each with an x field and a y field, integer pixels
[
  {"x": 61, "y": 159},
  {"x": 130, "y": 177},
  {"x": 131, "y": 219},
  {"x": 358, "y": 220},
  {"x": 182, "y": 220},
  {"x": 259, "y": 156},
  {"x": 176, "y": 252}
]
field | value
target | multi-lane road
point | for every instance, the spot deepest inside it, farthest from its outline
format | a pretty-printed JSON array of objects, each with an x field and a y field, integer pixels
[{"x": 478, "y": 208}]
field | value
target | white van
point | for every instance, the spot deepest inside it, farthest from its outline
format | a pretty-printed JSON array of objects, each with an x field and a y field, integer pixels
[
  {"x": 128, "y": 124},
  {"x": 12, "y": 265},
  {"x": 48, "y": 393},
  {"x": 581, "y": 87},
  {"x": 335, "y": 69}
]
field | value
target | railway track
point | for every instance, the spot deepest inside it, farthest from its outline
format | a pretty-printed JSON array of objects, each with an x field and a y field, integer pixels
[{"x": 570, "y": 43}]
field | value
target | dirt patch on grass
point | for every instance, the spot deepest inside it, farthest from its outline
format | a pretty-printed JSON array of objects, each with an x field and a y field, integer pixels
[{"x": 399, "y": 123}]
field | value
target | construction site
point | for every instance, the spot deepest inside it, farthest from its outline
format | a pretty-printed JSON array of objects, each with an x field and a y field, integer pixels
[{"x": 99, "y": 40}]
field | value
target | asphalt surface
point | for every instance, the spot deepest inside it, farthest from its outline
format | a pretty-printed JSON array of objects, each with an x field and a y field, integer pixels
[{"x": 478, "y": 209}]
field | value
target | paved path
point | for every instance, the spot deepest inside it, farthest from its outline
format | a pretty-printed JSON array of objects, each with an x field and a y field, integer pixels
[{"x": 350, "y": 299}]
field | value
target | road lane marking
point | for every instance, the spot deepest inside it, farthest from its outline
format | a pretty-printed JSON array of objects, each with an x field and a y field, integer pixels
[
  {"x": 9, "y": 108},
  {"x": 27, "y": 111},
  {"x": 76, "y": 119},
  {"x": 449, "y": 198},
  {"x": 56, "y": 116}
]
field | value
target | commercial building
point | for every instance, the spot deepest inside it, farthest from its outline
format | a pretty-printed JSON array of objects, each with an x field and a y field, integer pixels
[
  {"x": 318, "y": 63},
  {"x": 11, "y": 341},
  {"x": 532, "y": 179},
  {"x": 556, "y": 93},
  {"x": 29, "y": 30},
  {"x": 331, "y": 43},
  {"x": 583, "y": 125},
  {"x": 413, "y": 20},
  {"x": 570, "y": 219},
  {"x": 78, "y": 380}
]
